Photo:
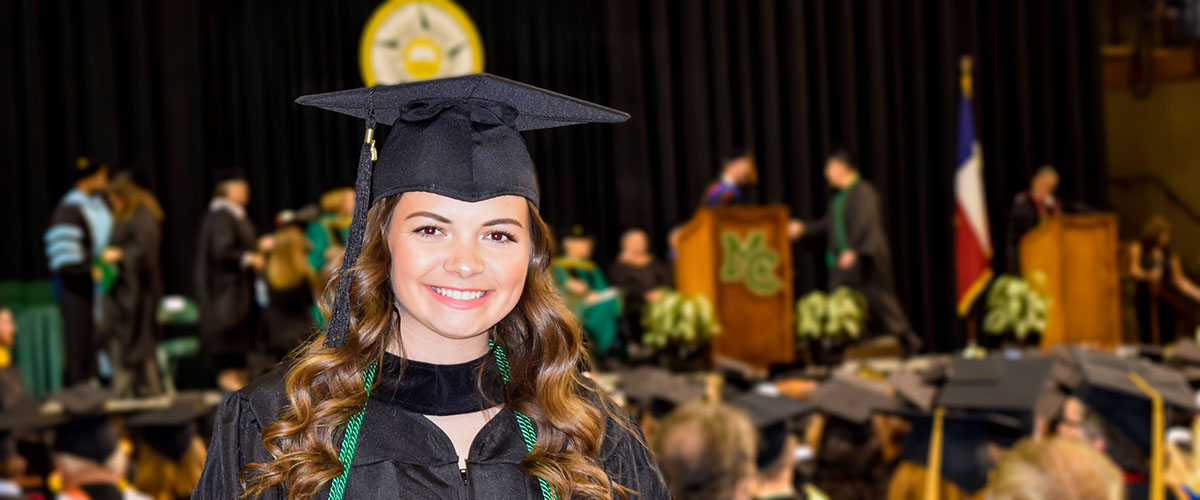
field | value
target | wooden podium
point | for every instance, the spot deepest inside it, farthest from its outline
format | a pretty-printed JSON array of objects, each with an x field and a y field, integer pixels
[
  {"x": 1078, "y": 255},
  {"x": 740, "y": 259}
]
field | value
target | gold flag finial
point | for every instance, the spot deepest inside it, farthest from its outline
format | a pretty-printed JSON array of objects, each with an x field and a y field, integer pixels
[{"x": 966, "y": 65}]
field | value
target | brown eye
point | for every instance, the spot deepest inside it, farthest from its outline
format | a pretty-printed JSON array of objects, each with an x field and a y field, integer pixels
[
  {"x": 428, "y": 231},
  {"x": 500, "y": 237}
]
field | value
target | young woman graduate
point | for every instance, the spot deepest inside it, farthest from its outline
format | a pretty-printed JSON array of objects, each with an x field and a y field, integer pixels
[{"x": 450, "y": 368}]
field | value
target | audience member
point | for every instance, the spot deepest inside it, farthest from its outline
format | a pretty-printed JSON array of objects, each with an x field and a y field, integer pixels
[
  {"x": 639, "y": 277},
  {"x": 79, "y": 231},
  {"x": 131, "y": 306},
  {"x": 706, "y": 451},
  {"x": 1055, "y": 469},
  {"x": 1160, "y": 282}
]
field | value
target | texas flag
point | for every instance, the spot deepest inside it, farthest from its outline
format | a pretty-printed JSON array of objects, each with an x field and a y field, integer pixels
[{"x": 972, "y": 240}]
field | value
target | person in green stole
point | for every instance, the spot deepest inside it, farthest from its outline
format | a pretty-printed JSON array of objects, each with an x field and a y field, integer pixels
[
  {"x": 581, "y": 283},
  {"x": 858, "y": 254}
]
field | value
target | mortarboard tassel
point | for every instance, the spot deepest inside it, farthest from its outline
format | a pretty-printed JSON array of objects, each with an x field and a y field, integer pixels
[
  {"x": 339, "y": 321},
  {"x": 1157, "y": 434},
  {"x": 933, "y": 463}
]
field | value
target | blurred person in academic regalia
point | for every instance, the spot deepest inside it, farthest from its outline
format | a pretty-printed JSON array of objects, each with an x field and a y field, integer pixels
[
  {"x": 288, "y": 320},
  {"x": 737, "y": 172},
  {"x": 585, "y": 290},
  {"x": 79, "y": 232},
  {"x": 11, "y": 387},
  {"x": 91, "y": 457},
  {"x": 329, "y": 233},
  {"x": 130, "y": 308},
  {"x": 1029, "y": 210},
  {"x": 859, "y": 256},
  {"x": 706, "y": 452},
  {"x": 170, "y": 452},
  {"x": 1162, "y": 286},
  {"x": 639, "y": 277},
  {"x": 227, "y": 261}
]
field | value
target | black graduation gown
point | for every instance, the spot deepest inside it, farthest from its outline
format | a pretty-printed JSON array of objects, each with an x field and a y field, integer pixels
[
  {"x": 224, "y": 288},
  {"x": 76, "y": 295},
  {"x": 130, "y": 313},
  {"x": 871, "y": 274},
  {"x": 288, "y": 318},
  {"x": 402, "y": 454}
]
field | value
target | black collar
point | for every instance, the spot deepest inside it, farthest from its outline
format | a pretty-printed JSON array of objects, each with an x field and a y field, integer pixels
[{"x": 431, "y": 389}]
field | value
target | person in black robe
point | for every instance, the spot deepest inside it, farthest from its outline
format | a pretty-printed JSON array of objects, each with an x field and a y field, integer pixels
[
  {"x": 857, "y": 252},
  {"x": 225, "y": 270},
  {"x": 79, "y": 230},
  {"x": 460, "y": 186},
  {"x": 131, "y": 307},
  {"x": 1029, "y": 209},
  {"x": 1163, "y": 288},
  {"x": 639, "y": 276}
]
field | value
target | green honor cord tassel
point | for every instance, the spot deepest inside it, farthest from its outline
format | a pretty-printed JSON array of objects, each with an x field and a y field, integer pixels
[
  {"x": 528, "y": 431},
  {"x": 350, "y": 441}
]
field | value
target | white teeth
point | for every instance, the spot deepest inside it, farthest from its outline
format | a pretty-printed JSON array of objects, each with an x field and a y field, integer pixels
[{"x": 458, "y": 294}]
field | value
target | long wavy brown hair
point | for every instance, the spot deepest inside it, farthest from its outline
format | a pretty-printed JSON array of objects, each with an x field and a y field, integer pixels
[{"x": 545, "y": 351}]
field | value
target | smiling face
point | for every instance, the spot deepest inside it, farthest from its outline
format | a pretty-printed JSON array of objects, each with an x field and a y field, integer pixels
[{"x": 457, "y": 268}]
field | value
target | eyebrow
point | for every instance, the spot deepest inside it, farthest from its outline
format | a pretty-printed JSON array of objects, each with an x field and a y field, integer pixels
[
  {"x": 500, "y": 222},
  {"x": 429, "y": 215},
  {"x": 443, "y": 220}
]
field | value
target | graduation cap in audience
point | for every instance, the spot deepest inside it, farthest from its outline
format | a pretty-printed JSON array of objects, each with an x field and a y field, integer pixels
[
  {"x": 773, "y": 416},
  {"x": 658, "y": 391},
  {"x": 913, "y": 389},
  {"x": 851, "y": 399},
  {"x": 86, "y": 428},
  {"x": 456, "y": 137},
  {"x": 1186, "y": 356},
  {"x": 21, "y": 417},
  {"x": 1010, "y": 387},
  {"x": 171, "y": 430},
  {"x": 1116, "y": 390}
]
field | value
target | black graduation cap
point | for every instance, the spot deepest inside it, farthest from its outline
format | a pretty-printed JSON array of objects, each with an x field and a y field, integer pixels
[
  {"x": 169, "y": 431},
  {"x": 658, "y": 391},
  {"x": 457, "y": 137},
  {"x": 851, "y": 399},
  {"x": 1010, "y": 387},
  {"x": 578, "y": 232},
  {"x": 86, "y": 428},
  {"x": 19, "y": 417},
  {"x": 85, "y": 167},
  {"x": 771, "y": 414},
  {"x": 1108, "y": 390},
  {"x": 914, "y": 389}
]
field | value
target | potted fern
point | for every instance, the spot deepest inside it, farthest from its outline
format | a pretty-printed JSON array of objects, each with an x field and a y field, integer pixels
[
  {"x": 679, "y": 327},
  {"x": 1017, "y": 309},
  {"x": 825, "y": 323}
]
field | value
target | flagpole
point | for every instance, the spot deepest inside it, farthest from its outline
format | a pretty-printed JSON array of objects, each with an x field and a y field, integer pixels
[{"x": 972, "y": 319}]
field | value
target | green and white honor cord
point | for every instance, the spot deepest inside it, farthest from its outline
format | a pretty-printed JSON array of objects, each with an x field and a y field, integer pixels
[{"x": 350, "y": 440}]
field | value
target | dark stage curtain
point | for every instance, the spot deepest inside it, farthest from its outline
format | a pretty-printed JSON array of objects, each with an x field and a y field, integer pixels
[{"x": 183, "y": 88}]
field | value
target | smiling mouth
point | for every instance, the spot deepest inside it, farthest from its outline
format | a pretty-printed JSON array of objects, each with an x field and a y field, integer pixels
[{"x": 455, "y": 294}]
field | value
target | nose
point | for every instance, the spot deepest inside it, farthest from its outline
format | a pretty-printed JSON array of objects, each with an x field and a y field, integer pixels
[{"x": 464, "y": 259}]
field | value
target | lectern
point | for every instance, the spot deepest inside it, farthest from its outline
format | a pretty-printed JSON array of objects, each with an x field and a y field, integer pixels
[
  {"x": 740, "y": 259},
  {"x": 1078, "y": 256}
]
